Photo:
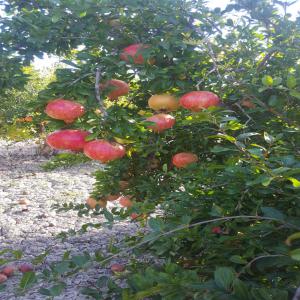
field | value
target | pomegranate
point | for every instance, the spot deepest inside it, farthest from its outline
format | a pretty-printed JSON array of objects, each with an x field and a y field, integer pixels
[
  {"x": 117, "y": 88},
  {"x": 3, "y": 278},
  {"x": 183, "y": 159},
  {"x": 8, "y": 271},
  {"x": 25, "y": 268},
  {"x": 198, "y": 100},
  {"x": 92, "y": 202},
  {"x": 134, "y": 216},
  {"x": 125, "y": 201},
  {"x": 163, "y": 102},
  {"x": 216, "y": 230},
  {"x": 134, "y": 51},
  {"x": 162, "y": 122},
  {"x": 68, "y": 139},
  {"x": 116, "y": 268},
  {"x": 103, "y": 151},
  {"x": 65, "y": 110}
]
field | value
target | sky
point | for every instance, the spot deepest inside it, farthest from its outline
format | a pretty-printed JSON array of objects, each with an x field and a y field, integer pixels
[{"x": 50, "y": 61}]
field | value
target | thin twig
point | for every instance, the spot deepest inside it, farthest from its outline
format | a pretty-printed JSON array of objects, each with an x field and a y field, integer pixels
[
  {"x": 200, "y": 81},
  {"x": 244, "y": 112},
  {"x": 265, "y": 60},
  {"x": 194, "y": 225},
  {"x": 97, "y": 92},
  {"x": 78, "y": 79}
]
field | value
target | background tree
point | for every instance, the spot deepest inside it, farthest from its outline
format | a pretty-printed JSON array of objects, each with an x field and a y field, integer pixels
[{"x": 223, "y": 220}]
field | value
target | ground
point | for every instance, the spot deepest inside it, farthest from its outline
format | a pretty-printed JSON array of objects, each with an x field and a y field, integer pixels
[{"x": 34, "y": 229}]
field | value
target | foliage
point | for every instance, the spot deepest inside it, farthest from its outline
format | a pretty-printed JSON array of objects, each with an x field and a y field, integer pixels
[
  {"x": 64, "y": 160},
  {"x": 247, "y": 178},
  {"x": 17, "y": 109}
]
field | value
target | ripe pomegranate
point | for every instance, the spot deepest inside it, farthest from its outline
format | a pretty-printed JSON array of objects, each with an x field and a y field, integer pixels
[
  {"x": 103, "y": 151},
  {"x": 134, "y": 216},
  {"x": 92, "y": 202},
  {"x": 116, "y": 268},
  {"x": 134, "y": 51},
  {"x": 163, "y": 102},
  {"x": 25, "y": 268},
  {"x": 65, "y": 110},
  {"x": 3, "y": 278},
  {"x": 125, "y": 201},
  {"x": 163, "y": 122},
  {"x": 8, "y": 271},
  {"x": 198, "y": 100},
  {"x": 68, "y": 139},
  {"x": 216, "y": 230},
  {"x": 117, "y": 88},
  {"x": 181, "y": 160}
]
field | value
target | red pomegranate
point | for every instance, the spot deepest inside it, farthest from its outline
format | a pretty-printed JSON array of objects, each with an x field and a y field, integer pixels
[
  {"x": 216, "y": 230},
  {"x": 183, "y": 159},
  {"x": 125, "y": 201},
  {"x": 68, "y": 139},
  {"x": 117, "y": 88},
  {"x": 3, "y": 278},
  {"x": 65, "y": 110},
  {"x": 103, "y": 151},
  {"x": 134, "y": 51},
  {"x": 8, "y": 270},
  {"x": 162, "y": 122},
  {"x": 116, "y": 268},
  {"x": 198, "y": 100},
  {"x": 26, "y": 268}
]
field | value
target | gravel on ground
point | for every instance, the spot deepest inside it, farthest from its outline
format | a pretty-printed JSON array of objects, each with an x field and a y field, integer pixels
[{"x": 34, "y": 228}]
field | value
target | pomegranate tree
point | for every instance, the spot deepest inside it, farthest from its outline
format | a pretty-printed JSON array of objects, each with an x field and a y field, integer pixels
[
  {"x": 68, "y": 139},
  {"x": 66, "y": 110}
]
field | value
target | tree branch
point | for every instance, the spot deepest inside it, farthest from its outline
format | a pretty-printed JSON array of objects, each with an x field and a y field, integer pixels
[{"x": 97, "y": 93}]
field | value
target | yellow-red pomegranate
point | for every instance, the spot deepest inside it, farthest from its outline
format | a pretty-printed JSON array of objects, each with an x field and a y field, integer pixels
[{"x": 163, "y": 102}]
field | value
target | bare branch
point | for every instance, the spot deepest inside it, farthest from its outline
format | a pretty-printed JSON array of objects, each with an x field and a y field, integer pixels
[
  {"x": 265, "y": 60},
  {"x": 244, "y": 112},
  {"x": 97, "y": 92}
]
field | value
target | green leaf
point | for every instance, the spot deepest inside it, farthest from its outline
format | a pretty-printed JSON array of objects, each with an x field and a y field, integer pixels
[
  {"x": 155, "y": 224},
  {"x": 291, "y": 82},
  {"x": 224, "y": 277},
  {"x": 269, "y": 138},
  {"x": 295, "y": 254},
  {"x": 219, "y": 149},
  {"x": 108, "y": 215},
  {"x": 267, "y": 80},
  {"x": 80, "y": 260},
  {"x": 240, "y": 290},
  {"x": 28, "y": 279},
  {"x": 292, "y": 237},
  {"x": 272, "y": 212},
  {"x": 54, "y": 291},
  {"x": 246, "y": 135},
  {"x": 294, "y": 181},
  {"x": 295, "y": 94},
  {"x": 62, "y": 267},
  {"x": 238, "y": 259}
]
